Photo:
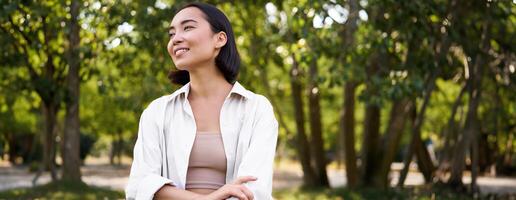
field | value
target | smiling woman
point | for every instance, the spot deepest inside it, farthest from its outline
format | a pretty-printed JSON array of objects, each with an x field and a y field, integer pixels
[
  {"x": 212, "y": 138},
  {"x": 188, "y": 31}
]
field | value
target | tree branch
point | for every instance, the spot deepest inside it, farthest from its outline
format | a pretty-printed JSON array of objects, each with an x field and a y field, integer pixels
[
  {"x": 17, "y": 28},
  {"x": 22, "y": 49}
]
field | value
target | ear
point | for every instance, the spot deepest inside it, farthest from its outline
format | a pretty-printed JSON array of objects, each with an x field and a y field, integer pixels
[{"x": 220, "y": 39}]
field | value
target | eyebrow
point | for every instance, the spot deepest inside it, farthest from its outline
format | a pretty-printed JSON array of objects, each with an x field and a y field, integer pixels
[{"x": 183, "y": 22}]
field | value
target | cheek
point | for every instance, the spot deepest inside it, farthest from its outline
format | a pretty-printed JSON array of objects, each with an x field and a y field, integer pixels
[
  {"x": 170, "y": 47},
  {"x": 208, "y": 46}
]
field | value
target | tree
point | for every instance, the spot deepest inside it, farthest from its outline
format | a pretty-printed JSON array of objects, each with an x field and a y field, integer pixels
[
  {"x": 31, "y": 29},
  {"x": 71, "y": 146},
  {"x": 348, "y": 107}
]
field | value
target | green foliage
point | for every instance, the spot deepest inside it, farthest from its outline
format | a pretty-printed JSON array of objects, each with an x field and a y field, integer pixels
[{"x": 122, "y": 70}]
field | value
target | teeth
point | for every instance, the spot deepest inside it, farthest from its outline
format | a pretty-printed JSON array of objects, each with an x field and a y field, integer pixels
[{"x": 180, "y": 51}]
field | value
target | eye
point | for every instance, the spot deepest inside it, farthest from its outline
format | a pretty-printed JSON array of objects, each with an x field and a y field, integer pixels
[
  {"x": 188, "y": 28},
  {"x": 171, "y": 34}
]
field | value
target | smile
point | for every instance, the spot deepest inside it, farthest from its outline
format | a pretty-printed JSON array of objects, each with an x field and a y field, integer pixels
[{"x": 180, "y": 51}]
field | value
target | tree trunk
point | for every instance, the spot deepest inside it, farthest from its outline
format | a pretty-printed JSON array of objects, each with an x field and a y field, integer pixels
[
  {"x": 316, "y": 126},
  {"x": 470, "y": 130},
  {"x": 471, "y": 127},
  {"x": 302, "y": 147},
  {"x": 71, "y": 158},
  {"x": 49, "y": 144},
  {"x": 398, "y": 116},
  {"x": 348, "y": 134},
  {"x": 419, "y": 118},
  {"x": 475, "y": 159},
  {"x": 11, "y": 142},
  {"x": 8, "y": 135},
  {"x": 370, "y": 143},
  {"x": 112, "y": 152},
  {"x": 401, "y": 108},
  {"x": 347, "y": 119},
  {"x": 424, "y": 161},
  {"x": 450, "y": 135},
  {"x": 507, "y": 156},
  {"x": 410, "y": 148},
  {"x": 115, "y": 154},
  {"x": 50, "y": 108},
  {"x": 371, "y": 132},
  {"x": 120, "y": 147}
]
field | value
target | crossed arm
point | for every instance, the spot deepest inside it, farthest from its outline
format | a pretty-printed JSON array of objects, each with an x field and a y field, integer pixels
[{"x": 234, "y": 189}]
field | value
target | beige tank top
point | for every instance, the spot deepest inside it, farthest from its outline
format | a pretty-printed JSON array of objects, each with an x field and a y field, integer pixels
[{"x": 207, "y": 164}]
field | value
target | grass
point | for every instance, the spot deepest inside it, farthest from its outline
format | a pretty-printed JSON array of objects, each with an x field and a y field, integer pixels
[
  {"x": 419, "y": 193},
  {"x": 62, "y": 190},
  {"x": 72, "y": 190}
]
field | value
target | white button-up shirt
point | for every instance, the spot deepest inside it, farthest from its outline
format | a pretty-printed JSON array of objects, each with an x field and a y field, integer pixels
[{"x": 167, "y": 131}]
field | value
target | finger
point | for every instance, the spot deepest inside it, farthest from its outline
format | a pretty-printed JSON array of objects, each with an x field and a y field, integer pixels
[
  {"x": 247, "y": 192},
  {"x": 243, "y": 197},
  {"x": 244, "y": 179},
  {"x": 236, "y": 192}
]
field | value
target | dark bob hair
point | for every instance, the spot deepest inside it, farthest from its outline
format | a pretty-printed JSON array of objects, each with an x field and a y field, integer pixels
[{"x": 228, "y": 59}]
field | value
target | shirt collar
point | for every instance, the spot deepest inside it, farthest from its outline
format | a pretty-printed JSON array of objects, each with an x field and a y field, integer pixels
[{"x": 237, "y": 89}]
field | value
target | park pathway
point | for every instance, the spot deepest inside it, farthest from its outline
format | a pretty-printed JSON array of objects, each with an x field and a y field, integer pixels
[{"x": 285, "y": 176}]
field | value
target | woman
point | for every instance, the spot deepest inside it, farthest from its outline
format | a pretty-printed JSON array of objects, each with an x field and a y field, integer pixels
[{"x": 212, "y": 138}]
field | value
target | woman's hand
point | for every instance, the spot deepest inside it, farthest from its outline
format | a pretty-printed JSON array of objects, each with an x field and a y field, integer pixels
[{"x": 234, "y": 189}]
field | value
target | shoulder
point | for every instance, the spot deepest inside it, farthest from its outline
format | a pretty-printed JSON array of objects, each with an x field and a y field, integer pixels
[
  {"x": 156, "y": 105},
  {"x": 251, "y": 98},
  {"x": 262, "y": 106},
  {"x": 263, "y": 113},
  {"x": 160, "y": 102},
  {"x": 262, "y": 102}
]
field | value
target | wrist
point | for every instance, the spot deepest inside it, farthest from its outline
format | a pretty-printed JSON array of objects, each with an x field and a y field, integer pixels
[{"x": 203, "y": 197}]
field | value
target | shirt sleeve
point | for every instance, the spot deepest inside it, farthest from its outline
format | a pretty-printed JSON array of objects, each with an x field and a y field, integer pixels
[
  {"x": 145, "y": 177},
  {"x": 259, "y": 159}
]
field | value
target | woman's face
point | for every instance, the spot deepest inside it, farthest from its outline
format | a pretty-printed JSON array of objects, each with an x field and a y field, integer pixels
[{"x": 192, "y": 42}]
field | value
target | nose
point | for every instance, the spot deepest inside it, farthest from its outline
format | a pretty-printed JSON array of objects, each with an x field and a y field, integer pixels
[{"x": 177, "y": 39}]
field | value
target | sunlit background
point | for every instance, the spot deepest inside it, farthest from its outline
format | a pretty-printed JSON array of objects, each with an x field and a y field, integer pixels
[{"x": 376, "y": 99}]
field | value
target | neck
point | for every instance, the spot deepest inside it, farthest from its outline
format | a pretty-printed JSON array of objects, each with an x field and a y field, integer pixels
[{"x": 208, "y": 83}]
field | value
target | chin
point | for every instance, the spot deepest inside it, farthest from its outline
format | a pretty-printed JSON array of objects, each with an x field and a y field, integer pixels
[{"x": 181, "y": 66}]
